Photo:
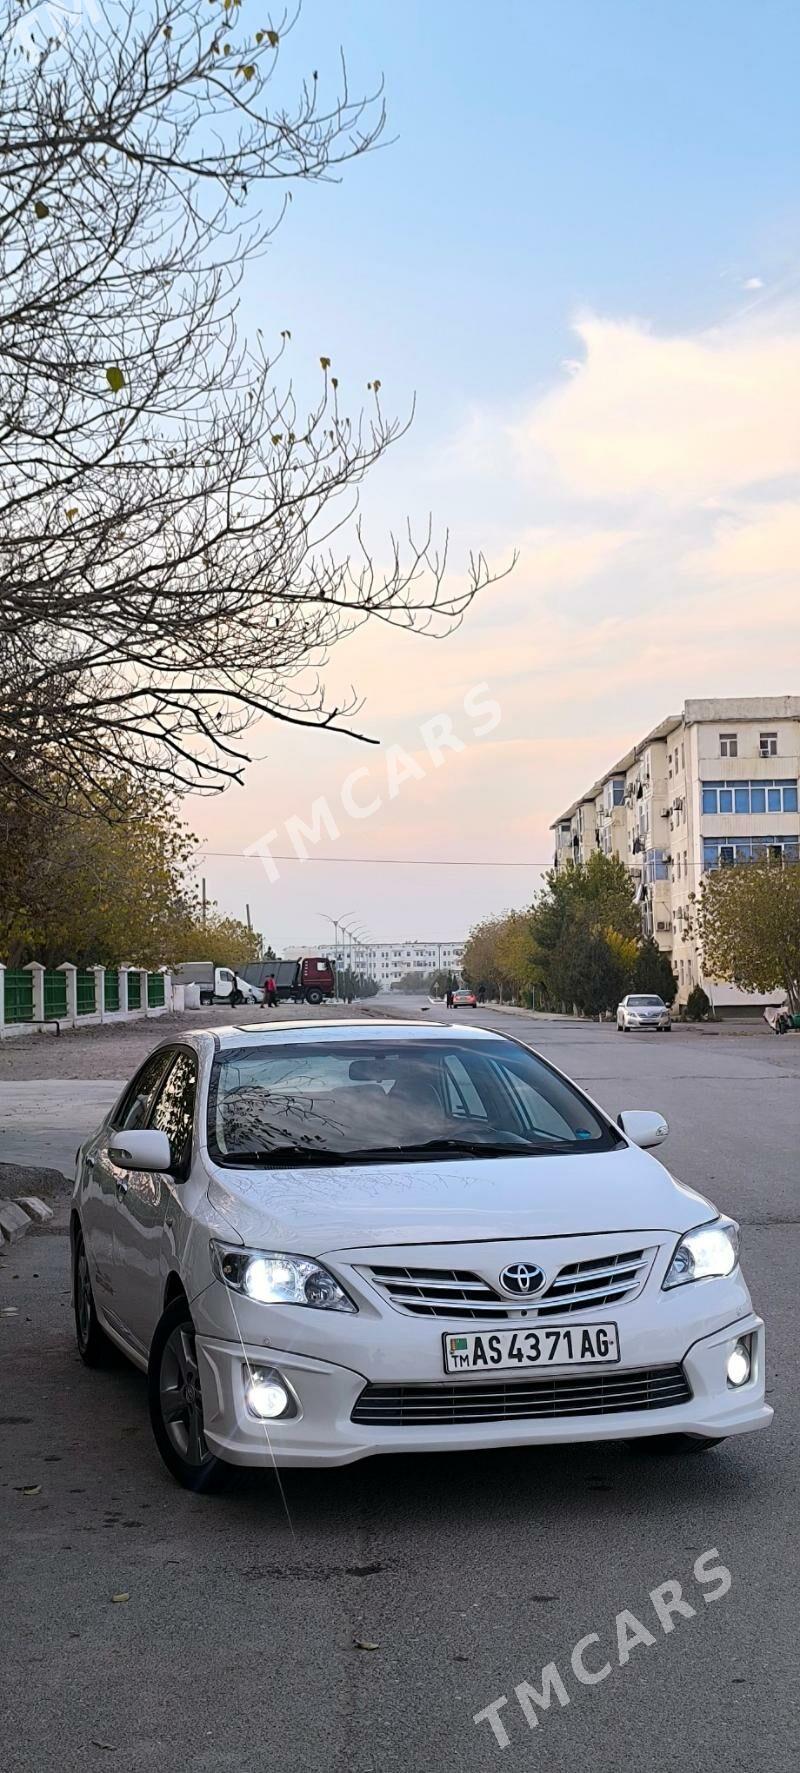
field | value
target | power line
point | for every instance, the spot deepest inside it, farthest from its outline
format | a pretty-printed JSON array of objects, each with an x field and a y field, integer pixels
[{"x": 373, "y": 861}]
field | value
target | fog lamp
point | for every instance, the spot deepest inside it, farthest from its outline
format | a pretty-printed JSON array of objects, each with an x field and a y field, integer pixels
[
  {"x": 266, "y": 1395},
  {"x": 739, "y": 1362}
]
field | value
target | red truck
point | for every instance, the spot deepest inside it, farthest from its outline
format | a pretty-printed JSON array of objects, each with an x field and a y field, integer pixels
[{"x": 309, "y": 980}]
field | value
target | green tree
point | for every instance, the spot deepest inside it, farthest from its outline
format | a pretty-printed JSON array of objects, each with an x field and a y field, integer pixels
[
  {"x": 748, "y": 921},
  {"x": 582, "y": 900},
  {"x": 413, "y": 981},
  {"x": 224, "y": 940},
  {"x": 596, "y": 974},
  {"x": 653, "y": 972},
  {"x": 481, "y": 963},
  {"x": 86, "y": 890}
]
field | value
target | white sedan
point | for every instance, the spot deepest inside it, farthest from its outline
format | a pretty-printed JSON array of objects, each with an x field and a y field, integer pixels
[
  {"x": 642, "y": 1009},
  {"x": 323, "y": 1243}
]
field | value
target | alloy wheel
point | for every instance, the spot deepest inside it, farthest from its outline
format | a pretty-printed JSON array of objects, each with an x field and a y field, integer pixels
[{"x": 181, "y": 1398}]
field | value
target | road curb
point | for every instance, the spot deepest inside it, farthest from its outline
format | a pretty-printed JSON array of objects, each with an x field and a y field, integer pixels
[{"x": 17, "y": 1216}]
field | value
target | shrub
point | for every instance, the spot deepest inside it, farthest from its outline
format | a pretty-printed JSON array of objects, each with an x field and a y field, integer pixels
[{"x": 698, "y": 1005}]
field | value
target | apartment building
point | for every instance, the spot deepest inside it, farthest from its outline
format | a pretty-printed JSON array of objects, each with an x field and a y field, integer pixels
[
  {"x": 713, "y": 785},
  {"x": 389, "y": 961}
]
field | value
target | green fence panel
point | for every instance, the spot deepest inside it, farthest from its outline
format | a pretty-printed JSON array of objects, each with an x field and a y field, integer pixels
[
  {"x": 19, "y": 996},
  {"x": 55, "y": 994},
  {"x": 85, "y": 984},
  {"x": 112, "y": 988},
  {"x": 134, "y": 991},
  {"x": 155, "y": 990}
]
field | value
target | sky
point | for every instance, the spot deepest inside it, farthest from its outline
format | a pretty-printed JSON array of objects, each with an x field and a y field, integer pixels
[{"x": 579, "y": 252}]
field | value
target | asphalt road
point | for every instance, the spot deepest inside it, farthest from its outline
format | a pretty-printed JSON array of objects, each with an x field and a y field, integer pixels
[{"x": 236, "y": 1646}]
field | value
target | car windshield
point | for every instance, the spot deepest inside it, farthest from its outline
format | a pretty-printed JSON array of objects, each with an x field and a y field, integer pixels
[
  {"x": 354, "y": 1101},
  {"x": 647, "y": 1003}
]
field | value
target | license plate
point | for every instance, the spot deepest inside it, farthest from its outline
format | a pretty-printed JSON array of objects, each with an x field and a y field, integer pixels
[{"x": 548, "y": 1345}]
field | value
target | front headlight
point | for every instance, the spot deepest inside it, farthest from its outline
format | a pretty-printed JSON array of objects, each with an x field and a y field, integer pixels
[
  {"x": 707, "y": 1250},
  {"x": 274, "y": 1278}
]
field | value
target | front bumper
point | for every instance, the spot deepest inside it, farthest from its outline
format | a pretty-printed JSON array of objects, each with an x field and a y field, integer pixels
[{"x": 322, "y": 1433}]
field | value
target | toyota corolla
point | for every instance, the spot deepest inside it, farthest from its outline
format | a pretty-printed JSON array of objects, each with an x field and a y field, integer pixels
[{"x": 323, "y": 1244}]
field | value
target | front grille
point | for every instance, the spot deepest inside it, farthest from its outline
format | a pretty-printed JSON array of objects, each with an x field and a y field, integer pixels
[
  {"x": 458, "y": 1293},
  {"x": 595, "y": 1394}
]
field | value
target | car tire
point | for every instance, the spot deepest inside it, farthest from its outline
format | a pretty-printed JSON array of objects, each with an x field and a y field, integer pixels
[
  {"x": 172, "y": 1373},
  {"x": 669, "y": 1446},
  {"x": 94, "y": 1346},
  {"x": 314, "y": 997},
  {"x": 206, "y": 999}
]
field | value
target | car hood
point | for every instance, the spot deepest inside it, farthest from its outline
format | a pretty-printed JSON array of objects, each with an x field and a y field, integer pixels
[{"x": 311, "y": 1211}]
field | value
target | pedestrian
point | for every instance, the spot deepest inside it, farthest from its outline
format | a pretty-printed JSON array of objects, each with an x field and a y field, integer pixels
[
  {"x": 271, "y": 992},
  {"x": 449, "y": 998},
  {"x": 481, "y": 993}
]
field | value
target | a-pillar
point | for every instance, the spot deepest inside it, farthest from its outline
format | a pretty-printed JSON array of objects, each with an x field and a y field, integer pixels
[
  {"x": 36, "y": 970},
  {"x": 71, "y": 974}
]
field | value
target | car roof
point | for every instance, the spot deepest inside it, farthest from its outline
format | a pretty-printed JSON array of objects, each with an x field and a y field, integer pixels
[{"x": 347, "y": 1029}]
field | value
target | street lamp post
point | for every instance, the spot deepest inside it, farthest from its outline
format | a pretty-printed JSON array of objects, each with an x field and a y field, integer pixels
[{"x": 337, "y": 925}]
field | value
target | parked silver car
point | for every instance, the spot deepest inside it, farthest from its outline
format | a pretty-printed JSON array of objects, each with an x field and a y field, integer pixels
[{"x": 642, "y": 1009}]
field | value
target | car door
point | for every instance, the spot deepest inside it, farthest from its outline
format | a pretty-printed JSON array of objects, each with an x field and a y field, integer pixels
[
  {"x": 103, "y": 1183},
  {"x": 149, "y": 1204}
]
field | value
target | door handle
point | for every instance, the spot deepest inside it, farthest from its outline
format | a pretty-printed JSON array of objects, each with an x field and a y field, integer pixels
[{"x": 122, "y": 1188}]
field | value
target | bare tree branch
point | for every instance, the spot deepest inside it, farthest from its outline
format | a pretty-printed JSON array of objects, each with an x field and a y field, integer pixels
[{"x": 168, "y": 512}]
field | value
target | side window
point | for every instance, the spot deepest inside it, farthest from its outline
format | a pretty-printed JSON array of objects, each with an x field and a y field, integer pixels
[
  {"x": 173, "y": 1113},
  {"x": 137, "y": 1102}
]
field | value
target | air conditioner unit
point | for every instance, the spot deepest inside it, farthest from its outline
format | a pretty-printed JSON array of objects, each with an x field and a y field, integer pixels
[{"x": 664, "y": 927}]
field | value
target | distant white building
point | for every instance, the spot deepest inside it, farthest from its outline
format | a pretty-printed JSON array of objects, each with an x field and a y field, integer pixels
[
  {"x": 713, "y": 785},
  {"x": 388, "y": 961}
]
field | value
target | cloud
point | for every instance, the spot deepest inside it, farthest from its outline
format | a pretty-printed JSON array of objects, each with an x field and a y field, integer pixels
[
  {"x": 675, "y": 420},
  {"x": 761, "y": 543},
  {"x": 654, "y": 496},
  {"x": 753, "y": 283}
]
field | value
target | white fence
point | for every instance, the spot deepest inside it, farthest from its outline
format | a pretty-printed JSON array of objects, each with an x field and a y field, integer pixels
[{"x": 35, "y": 998}]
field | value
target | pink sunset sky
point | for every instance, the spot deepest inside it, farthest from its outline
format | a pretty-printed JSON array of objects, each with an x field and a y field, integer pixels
[{"x": 636, "y": 440}]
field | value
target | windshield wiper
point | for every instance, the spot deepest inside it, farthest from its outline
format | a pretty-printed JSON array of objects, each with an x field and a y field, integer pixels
[
  {"x": 283, "y": 1157},
  {"x": 460, "y": 1148}
]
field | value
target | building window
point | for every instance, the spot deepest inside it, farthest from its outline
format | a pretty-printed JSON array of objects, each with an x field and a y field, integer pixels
[
  {"x": 655, "y": 865},
  {"x": 683, "y": 757},
  {"x": 729, "y": 744},
  {"x": 768, "y": 744},
  {"x": 749, "y": 797},
  {"x": 679, "y": 868},
  {"x": 723, "y": 853}
]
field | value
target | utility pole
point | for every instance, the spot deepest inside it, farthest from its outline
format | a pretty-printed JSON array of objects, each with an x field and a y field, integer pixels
[
  {"x": 249, "y": 918},
  {"x": 205, "y": 901}
]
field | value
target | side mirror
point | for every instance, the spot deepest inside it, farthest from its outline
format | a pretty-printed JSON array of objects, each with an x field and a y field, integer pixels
[
  {"x": 142, "y": 1148},
  {"x": 643, "y": 1126}
]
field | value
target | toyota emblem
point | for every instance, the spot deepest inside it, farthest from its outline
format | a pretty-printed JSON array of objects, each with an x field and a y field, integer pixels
[{"x": 522, "y": 1277}]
